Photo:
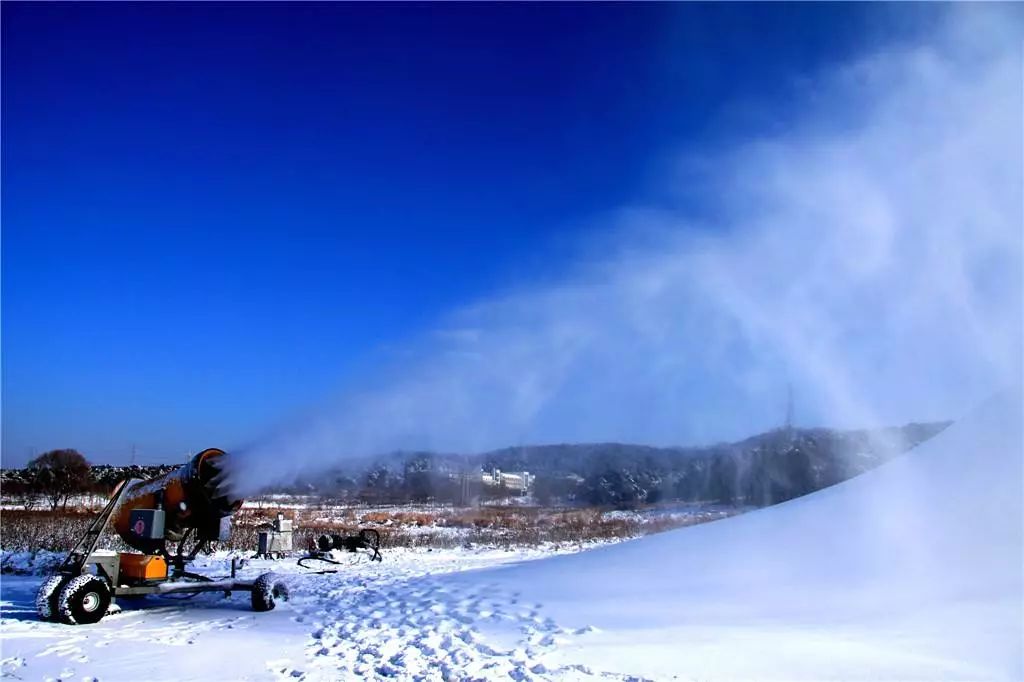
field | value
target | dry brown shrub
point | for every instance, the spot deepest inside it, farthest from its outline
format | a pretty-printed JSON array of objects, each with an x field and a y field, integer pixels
[
  {"x": 376, "y": 517},
  {"x": 491, "y": 526}
]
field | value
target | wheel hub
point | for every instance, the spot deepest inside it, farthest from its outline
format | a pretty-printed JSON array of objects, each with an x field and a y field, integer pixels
[{"x": 91, "y": 602}]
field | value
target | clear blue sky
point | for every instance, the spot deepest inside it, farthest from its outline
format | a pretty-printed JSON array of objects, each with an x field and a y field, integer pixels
[{"x": 215, "y": 213}]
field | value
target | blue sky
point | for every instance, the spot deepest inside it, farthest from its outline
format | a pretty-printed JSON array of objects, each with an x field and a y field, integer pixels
[{"x": 214, "y": 215}]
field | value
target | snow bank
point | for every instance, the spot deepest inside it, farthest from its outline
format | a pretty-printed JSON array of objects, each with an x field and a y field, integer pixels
[
  {"x": 36, "y": 562},
  {"x": 911, "y": 571}
]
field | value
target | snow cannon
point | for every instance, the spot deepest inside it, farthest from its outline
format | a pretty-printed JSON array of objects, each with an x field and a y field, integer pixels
[
  {"x": 167, "y": 508},
  {"x": 188, "y": 507}
]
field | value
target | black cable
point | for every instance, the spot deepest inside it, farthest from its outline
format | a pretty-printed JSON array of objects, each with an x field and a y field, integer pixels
[{"x": 318, "y": 558}]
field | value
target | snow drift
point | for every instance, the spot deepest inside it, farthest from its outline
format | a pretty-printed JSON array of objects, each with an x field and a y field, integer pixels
[{"x": 911, "y": 571}]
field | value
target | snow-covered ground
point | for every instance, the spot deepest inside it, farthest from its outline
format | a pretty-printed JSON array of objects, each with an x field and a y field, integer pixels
[
  {"x": 912, "y": 571},
  {"x": 367, "y": 620}
]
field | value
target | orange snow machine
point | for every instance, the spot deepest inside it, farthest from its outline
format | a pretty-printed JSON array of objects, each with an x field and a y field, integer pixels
[{"x": 188, "y": 506}]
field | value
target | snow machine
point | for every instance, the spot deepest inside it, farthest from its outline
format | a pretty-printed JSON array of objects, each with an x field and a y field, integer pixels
[
  {"x": 185, "y": 506},
  {"x": 367, "y": 539}
]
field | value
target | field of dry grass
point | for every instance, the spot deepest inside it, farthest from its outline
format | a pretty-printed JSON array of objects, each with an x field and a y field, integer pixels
[{"x": 404, "y": 526}]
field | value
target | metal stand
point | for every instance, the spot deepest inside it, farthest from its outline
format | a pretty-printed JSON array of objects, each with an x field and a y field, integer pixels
[{"x": 79, "y": 555}]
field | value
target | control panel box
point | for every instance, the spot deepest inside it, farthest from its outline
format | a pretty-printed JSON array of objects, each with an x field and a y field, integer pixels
[{"x": 147, "y": 523}]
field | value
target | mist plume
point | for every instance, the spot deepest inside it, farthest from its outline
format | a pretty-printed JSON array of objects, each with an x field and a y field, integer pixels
[{"x": 869, "y": 256}]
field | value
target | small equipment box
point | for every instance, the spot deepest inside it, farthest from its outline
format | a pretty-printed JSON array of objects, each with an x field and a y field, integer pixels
[
  {"x": 276, "y": 540},
  {"x": 147, "y": 523},
  {"x": 142, "y": 567}
]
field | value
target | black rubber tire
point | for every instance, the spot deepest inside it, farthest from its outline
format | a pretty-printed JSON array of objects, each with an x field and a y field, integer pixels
[
  {"x": 48, "y": 597},
  {"x": 84, "y": 600},
  {"x": 267, "y": 589}
]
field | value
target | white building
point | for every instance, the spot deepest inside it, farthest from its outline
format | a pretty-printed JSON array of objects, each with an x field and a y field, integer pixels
[{"x": 513, "y": 480}]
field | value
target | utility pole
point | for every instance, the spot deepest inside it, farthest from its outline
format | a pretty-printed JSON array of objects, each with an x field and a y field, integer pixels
[{"x": 464, "y": 487}]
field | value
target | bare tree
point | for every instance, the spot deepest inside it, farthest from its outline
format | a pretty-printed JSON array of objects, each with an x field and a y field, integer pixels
[{"x": 58, "y": 474}]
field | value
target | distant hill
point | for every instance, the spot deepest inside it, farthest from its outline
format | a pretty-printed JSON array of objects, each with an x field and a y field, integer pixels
[
  {"x": 764, "y": 469},
  {"x": 761, "y": 470}
]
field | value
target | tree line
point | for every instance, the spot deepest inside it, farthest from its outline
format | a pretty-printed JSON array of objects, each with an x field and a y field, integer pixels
[
  {"x": 56, "y": 476},
  {"x": 765, "y": 469}
]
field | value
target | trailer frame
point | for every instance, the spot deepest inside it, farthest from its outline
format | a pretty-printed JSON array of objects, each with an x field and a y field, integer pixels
[{"x": 66, "y": 597}]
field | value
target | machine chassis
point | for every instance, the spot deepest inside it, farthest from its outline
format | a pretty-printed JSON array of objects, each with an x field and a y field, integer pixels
[{"x": 69, "y": 596}]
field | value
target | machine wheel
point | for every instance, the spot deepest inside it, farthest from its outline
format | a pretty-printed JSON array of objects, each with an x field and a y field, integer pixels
[
  {"x": 84, "y": 600},
  {"x": 266, "y": 590},
  {"x": 48, "y": 596}
]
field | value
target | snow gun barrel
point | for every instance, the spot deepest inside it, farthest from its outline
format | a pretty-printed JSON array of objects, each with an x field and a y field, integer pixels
[{"x": 191, "y": 497}]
